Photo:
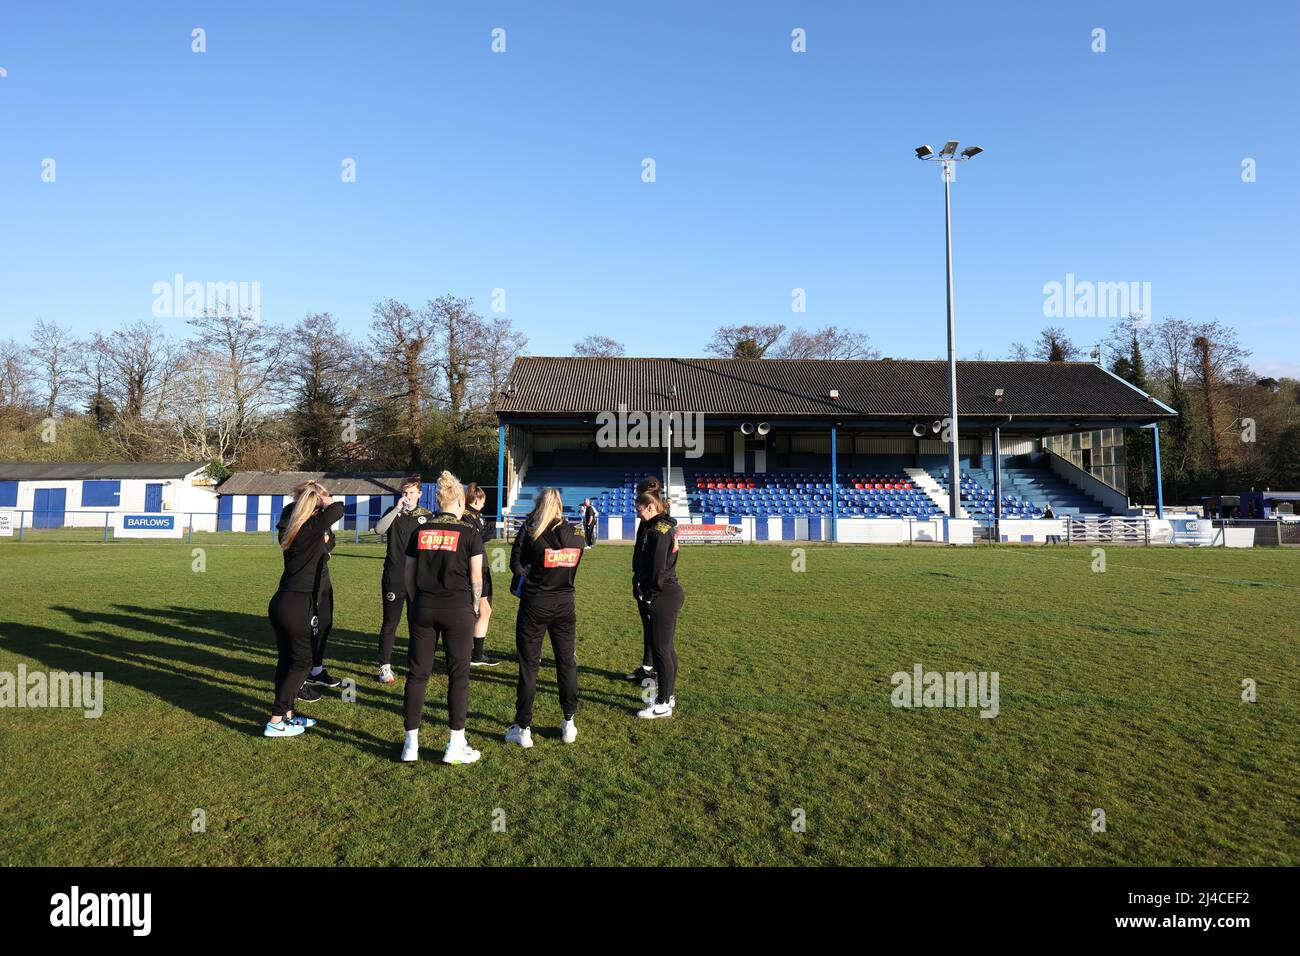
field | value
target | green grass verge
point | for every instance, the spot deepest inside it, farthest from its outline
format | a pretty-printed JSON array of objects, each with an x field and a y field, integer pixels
[{"x": 1119, "y": 690}]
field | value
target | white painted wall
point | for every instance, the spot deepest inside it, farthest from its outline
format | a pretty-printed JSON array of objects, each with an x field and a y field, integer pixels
[
  {"x": 1031, "y": 530},
  {"x": 178, "y": 495}
]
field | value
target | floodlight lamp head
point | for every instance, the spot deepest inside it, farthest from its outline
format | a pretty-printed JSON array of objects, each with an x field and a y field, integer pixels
[
  {"x": 970, "y": 151},
  {"x": 924, "y": 152}
]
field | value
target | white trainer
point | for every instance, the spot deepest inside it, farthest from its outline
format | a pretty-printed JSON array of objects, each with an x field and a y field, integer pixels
[
  {"x": 523, "y": 736},
  {"x": 655, "y": 711},
  {"x": 569, "y": 732},
  {"x": 462, "y": 754},
  {"x": 410, "y": 750},
  {"x": 386, "y": 675}
]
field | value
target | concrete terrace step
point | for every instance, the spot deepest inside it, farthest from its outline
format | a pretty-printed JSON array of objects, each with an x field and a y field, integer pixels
[
  {"x": 679, "y": 501},
  {"x": 939, "y": 495},
  {"x": 1039, "y": 486}
]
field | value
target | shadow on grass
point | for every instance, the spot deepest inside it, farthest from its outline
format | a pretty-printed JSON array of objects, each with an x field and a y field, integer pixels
[
  {"x": 188, "y": 667},
  {"x": 201, "y": 661}
]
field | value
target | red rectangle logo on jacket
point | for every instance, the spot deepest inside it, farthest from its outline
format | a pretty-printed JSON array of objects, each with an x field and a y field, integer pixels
[
  {"x": 561, "y": 557},
  {"x": 436, "y": 539}
]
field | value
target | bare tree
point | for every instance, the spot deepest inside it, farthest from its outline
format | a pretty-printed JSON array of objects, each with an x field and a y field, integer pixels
[
  {"x": 1055, "y": 346},
  {"x": 1171, "y": 357},
  {"x": 15, "y": 374},
  {"x": 1118, "y": 345},
  {"x": 91, "y": 382},
  {"x": 459, "y": 336},
  {"x": 201, "y": 423},
  {"x": 598, "y": 346},
  {"x": 322, "y": 385},
  {"x": 246, "y": 358},
  {"x": 744, "y": 341},
  {"x": 1219, "y": 361},
  {"x": 139, "y": 365},
  {"x": 1019, "y": 352},
  {"x": 52, "y": 354},
  {"x": 1172, "y": 351},
  {"x": 502, "y": 345},
  {"x": 830, "y": 342},
  {"x": 401, "y": 340}
]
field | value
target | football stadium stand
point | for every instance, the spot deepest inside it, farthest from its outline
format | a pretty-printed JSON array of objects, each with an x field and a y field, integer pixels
[
  {"x": 804, "y": 494},
  {"x": 809, "y": 448}
]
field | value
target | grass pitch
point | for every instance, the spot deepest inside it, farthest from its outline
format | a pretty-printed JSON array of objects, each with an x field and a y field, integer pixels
[{"x": 1119, "y": 690}]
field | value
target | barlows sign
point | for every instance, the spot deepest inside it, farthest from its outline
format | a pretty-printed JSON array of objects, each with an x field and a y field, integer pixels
[{"x": 147, "y": 526}]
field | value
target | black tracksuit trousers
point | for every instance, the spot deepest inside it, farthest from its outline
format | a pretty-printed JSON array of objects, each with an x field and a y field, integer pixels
[
  {"x": 392, "y": 615},
  {"x": 647, "y": 636},
  {"x": 662, "y": 618},
  {"x": 537, "y": 615},
  {"x": 455, "y": 625},
  {"x": 290, "y": 613},
  {"x": 325, "y": 613}
]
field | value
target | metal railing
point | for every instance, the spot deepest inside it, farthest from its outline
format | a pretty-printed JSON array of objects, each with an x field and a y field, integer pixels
[{"x": 1111, "y": 530}]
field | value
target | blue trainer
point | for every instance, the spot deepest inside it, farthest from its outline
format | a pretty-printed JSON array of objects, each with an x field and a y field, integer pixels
[{"x": 283, "y": 728}]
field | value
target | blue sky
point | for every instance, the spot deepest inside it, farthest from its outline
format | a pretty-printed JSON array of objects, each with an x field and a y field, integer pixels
[{"x": 775, "y": 170}]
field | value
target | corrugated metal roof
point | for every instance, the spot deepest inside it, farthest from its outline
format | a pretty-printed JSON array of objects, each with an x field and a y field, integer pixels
[
  {"x": 801, "y": 387},
  {"x": 337, "y": 483},
  {"x": 95, "y": 470}
]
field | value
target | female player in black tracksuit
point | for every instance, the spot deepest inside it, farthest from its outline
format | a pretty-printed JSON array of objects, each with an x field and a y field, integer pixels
[
  {"x": 475, "y": 498},
  {"x": 660, "y": 596},
  {"x": 444, "y": 574},
  {"x": 296, "y": 613},
  {"x": 544, "y": 559},
  {"x": 399, "y": 523},
  {"x": 317, "y": 674},
  {"x": 646, "y": 670}
]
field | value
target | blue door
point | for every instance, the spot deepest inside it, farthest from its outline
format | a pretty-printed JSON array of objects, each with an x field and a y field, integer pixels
[
  {"x": 48, "y": 507},
  {"x": 153, "y": 498}
]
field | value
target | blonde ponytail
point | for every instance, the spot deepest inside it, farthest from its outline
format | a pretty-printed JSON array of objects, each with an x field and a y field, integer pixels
[
  {"x": 307, "y": 503},
  {"x": 548, "y": 510},
  {"x": 449, "y": 490}
]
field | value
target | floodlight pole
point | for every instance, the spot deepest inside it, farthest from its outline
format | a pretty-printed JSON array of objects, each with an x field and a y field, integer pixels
[
  {"x": 954, "y": 458},
  {"x": 948, "y": 156}
]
